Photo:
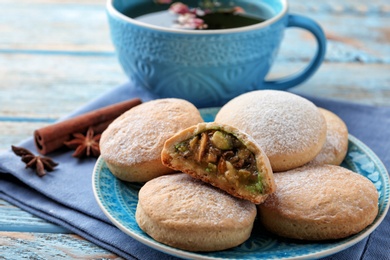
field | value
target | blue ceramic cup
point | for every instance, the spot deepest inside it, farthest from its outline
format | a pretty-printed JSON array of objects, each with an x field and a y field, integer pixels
[{"x": 207, "y": 67}]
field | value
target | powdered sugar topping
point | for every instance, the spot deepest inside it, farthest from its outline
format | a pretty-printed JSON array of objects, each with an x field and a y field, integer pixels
[
  {"x": 139, "y": 134},
  {"x": 279, "y": 121}
]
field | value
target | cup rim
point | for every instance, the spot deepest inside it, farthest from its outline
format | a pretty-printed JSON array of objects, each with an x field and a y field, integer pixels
[{"x": 111, "y": 10}]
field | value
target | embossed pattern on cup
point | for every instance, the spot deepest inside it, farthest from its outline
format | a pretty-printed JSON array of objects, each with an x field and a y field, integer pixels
[
  {"x": 207, "y": 68},
  {"x": 212, "y": 67}
]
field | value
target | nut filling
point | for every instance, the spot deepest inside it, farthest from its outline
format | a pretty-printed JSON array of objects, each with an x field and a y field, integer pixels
[{"x": 223, "y": 157}]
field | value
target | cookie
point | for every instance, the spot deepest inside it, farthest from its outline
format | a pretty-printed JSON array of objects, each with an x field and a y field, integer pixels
[
  {"x": 185, "y": 213},
  {"x": 131, "y": 145},
  {"x": 319, "y": 203},
  {"x": 222, "y": 156},
  {"x": 290, "y": 129},
  {"x": 336, "y": 144}
]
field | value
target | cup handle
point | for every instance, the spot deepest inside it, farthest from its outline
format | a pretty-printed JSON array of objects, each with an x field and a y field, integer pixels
[{"x": 293, "y": 80}]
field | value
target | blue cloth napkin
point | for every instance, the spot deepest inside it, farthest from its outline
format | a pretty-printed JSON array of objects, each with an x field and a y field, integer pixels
[{"x": 65, "y": 195}]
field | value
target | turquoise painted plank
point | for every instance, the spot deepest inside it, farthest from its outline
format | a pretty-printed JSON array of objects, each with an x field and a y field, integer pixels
[
  {"x": 358, "y": 7},
  {"x": 23, "y": 245},
  {"x": 11, "y": 226},
  {"x": 50, "y": 86},
  {"x": 12, "y": 133},
  {"x": 82, "y": 29},
  {"x": 13, "y": 219},
  {"x": 23, "y": 235},
  {"x": 46, "y": 25},
  {"x": 26, "y": 119}
]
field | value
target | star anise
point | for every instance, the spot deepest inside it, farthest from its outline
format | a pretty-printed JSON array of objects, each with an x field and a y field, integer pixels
[
  {"x": 85, "y": 145},
  {"x": 39, "y": 163}
]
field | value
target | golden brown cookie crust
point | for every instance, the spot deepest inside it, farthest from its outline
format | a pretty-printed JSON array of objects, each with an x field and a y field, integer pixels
[
  {"x": 132, "y": 144},
  {"x": 336, "y": 144},
  {"x": 189, "y": 214},
  {"x": 319, "y": 203}
]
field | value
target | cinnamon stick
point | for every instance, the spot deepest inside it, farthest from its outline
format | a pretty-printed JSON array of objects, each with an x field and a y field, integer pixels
[{"x": 52, "y": 137}]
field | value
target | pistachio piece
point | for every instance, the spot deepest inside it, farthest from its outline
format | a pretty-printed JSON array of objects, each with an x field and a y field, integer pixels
[
  {"x": 230, "y": 167},
  {"x": 181, "y": 147},
  {"x": 231, "y": 173},
  {"x": 221, "y": 141},
  {"x": 194, "y": 142},
  {"x": 243, "y": 153},
  {"x": 257, "y": 187},
  {"x": 222, "y": 156},
  {"x": 211, "y": 168},
  {"x": 244, "y": 173}
]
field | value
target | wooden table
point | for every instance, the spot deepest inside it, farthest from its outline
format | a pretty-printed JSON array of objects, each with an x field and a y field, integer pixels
[{"x": 57, "y": 55}]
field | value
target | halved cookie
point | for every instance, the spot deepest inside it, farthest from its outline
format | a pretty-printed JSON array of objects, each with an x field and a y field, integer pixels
[
  {"x": 222, "y": 156},
  {"x": 319, "y": 203},
  {"x": 189, "y": 214}
]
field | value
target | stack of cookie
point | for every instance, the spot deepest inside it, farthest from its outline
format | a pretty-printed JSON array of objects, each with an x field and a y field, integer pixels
[
  {"x": 267, "y": 148},
  {"x": 315, "y": 199}
]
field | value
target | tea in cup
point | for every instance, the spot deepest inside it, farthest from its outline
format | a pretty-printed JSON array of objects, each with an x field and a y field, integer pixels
[{"x": 207, "y": 66}]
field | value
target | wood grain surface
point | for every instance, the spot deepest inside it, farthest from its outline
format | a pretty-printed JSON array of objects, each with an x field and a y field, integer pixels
[
  {"x": 25, "y": 245},
  {"x": 57, "y": 55}
]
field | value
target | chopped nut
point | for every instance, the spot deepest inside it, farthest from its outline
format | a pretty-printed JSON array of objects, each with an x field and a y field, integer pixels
[
  {"x": 222, "y": 166},
  {"x": 237, "y": 162},
  {"x": 244, "y": 173},
  {"x": 223, "y": 155},
  {"x": 221, "y": 141},
  {"x": 228, "y": 155},
  {"x": 214, "y": 153},
  {"x": 182, "y": 147},
  {"x": 211, "y": 168},
  {"x": 194, "y": 142},
  {"x": 231, "y": 173},
  {"x": 243, "y": 154},
  {"x": 230, "y": 167},
  {"x": 202, "y": 146},
  {"x": 212, "y": 158}
]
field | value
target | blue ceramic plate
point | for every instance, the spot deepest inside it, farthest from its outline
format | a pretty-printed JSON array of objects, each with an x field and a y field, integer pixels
[{"x": 118, "y": 200}]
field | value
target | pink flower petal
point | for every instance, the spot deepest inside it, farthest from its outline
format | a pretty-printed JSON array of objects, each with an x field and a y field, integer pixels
[
  {"x": 179, "y": 8},
  {"x": 238, "y": 10}
]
